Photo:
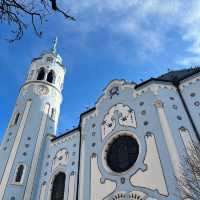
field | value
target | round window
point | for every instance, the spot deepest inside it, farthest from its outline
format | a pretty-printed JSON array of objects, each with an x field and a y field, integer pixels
[{"x": 122, "y": 153}]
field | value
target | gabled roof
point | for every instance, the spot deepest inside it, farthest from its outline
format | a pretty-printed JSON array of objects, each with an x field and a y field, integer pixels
[
  {"x": 179, "y": 74},
  {"x": 173, "y": 76}
]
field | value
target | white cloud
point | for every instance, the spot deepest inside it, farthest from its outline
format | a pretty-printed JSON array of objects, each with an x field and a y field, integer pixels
[
  {"x": 191, "y": 60},
  {"x": 147, "y": 22}
]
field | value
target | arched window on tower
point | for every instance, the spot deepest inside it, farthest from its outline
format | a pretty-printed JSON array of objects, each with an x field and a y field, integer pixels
[
  {"x": 58, "y": 188},
  {"x": 41, "y": 74},
  {"x": 53, "y": 114},
  {"x": 16, "y": 118},
  {"x": 51, "y": 77},
  {"x": 19, "y": 174}
]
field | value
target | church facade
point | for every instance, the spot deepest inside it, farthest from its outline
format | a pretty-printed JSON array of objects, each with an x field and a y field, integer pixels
[{"x": 130, "y": 146}]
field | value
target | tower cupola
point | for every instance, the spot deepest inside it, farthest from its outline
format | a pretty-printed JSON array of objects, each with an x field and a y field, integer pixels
[{"x": 48, "y": 68}]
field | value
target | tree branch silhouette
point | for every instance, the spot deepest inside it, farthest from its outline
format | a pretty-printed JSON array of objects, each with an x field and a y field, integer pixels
[
  {"x": 15, "y": 13},
  {"x": 189, "y": 182}
]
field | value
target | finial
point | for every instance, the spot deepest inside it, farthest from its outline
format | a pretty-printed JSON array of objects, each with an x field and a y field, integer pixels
[{"x": 55, "y": 42}]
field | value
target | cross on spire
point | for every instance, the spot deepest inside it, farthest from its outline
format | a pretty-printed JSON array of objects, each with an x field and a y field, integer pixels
[{"x": 55, "y": 43}]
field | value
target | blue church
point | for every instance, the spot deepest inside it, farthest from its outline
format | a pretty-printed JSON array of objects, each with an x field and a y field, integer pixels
[{"x": 130, "y": 146}]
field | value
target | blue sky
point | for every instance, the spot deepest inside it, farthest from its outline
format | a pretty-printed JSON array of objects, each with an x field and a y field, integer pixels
[{"x": 119, "y": 39}]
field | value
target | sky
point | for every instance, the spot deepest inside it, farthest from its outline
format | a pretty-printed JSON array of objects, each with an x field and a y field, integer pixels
[{"x": 119, "y": 39}]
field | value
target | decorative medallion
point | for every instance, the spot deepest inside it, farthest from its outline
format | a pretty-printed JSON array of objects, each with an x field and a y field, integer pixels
[
  {"x": 120, "y": 114},
  {"x": 24, "y": 90},
  {"x": 42, "y": 90},
  {"x": 136, "y": 195},
  {"x": 114, "y": 91},
  {"x": 49, "y": 59},
  {"x": 197, "y": 103},
  {"x": 61, "y": 158}
]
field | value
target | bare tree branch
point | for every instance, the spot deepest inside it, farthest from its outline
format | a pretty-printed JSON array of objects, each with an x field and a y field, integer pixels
[
  {"x": 189, "y": 182},
  {"x": 55, "y": 7},
  {"x": 15, "y": 14}
]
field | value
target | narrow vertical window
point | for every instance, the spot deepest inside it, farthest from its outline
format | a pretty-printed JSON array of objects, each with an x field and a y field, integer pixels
[
  {"x": 19, "y": 174},
  {"x": 58, "y": 187},
  {"x": 16, "y": 118},
  {"x": 53, "y": 113},
  {"x": 51, "y": 77},
  {"x": 41, "y": 74}
]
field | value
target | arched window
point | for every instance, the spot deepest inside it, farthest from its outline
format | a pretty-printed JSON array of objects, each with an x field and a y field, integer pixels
[
  {"x": 19, "y": 174},
  {"x": 16, "y": 118},
  {"x": 58, "y": 188},
  {"x": 51, "y": 77},
  {"x": 53, "y": 113},
  {"x": 41, "y": 74}
]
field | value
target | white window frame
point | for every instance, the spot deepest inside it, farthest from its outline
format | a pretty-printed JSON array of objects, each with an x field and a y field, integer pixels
[{"x": 23, "y": 175}]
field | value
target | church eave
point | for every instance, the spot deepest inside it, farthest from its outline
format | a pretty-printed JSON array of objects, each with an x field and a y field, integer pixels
[
  {"x": 70, "y": 132},
  {"x": 174, "y": 81},
  {"x": 75, "y": 129},
  {"x": 151, "y": 80}
]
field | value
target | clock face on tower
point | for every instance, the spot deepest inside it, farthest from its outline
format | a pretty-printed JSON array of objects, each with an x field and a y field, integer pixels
[
  {"x": 122, "y": 153},
  {"x": 41, "y": 90}
]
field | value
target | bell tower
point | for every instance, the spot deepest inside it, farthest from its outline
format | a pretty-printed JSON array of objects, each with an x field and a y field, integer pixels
[{"x": 35, "y": 116}]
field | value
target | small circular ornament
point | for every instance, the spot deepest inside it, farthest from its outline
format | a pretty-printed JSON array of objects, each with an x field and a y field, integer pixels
[{"x": 42, "y": 90}]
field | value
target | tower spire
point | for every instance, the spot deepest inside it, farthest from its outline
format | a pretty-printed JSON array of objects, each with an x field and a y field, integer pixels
[{"x": 54, "y": 48}]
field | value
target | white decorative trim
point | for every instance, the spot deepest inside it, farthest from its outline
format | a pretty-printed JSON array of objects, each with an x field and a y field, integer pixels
[
  {"x": 188, "y": 143},
  {"x": 38, "y": 145},
  {"x": 42, "y": 192},
  {"x": 61, "y": 158},
  {"x": 13, "y": 153},
  {"x": 189, "y": 81},
  {"x": 171, "y": 146},
  {"x": 65, "y": 138},
  {"x": 99, "y": 190},
  {"x": 135, "y": 195},
  {"x": 118, "y": 196},
  {"x": 24, "y": 90},
  {"x": 153, "y": 178},
  {"x": 153, "y": 87},
  {"x": 82, "y": 169},
  {"x": 71, "y": 191}
]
